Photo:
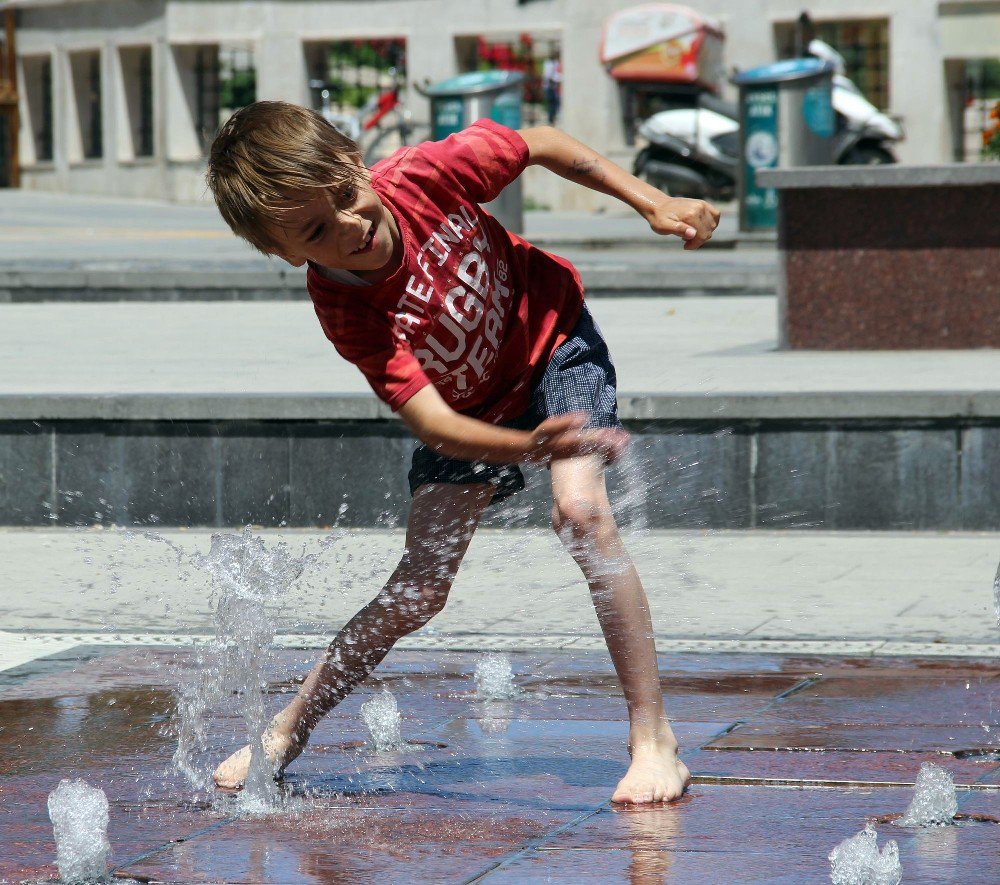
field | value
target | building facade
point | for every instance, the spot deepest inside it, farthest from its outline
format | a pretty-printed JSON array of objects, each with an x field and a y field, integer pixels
[{"x": 122, "y": 97}]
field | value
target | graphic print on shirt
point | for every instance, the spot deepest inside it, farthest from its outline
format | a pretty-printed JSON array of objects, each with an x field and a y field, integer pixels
[
  {"x": 456, "y": 348},
  {"x": 473, "y": 309}
]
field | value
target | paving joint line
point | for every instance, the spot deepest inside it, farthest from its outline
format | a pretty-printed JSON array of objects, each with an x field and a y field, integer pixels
[
  {"x": 536, "y": 843},
  {"x": 743, "y": 781},
  {"x": 123, "y": 868},
  {"x": 801, "y": 685}
]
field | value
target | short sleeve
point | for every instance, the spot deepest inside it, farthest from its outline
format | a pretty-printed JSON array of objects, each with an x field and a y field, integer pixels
[
  {"x": 388, "y": 365},
  {"x": 482, "y": 159}
]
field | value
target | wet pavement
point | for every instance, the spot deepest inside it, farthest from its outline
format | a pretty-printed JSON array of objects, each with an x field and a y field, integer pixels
[{"x": 791, "y": 755}]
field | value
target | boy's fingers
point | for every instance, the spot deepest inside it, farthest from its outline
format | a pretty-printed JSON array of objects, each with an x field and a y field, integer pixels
[
  {"x": 609, "y": 444},
  {"x": 560, "y": 424},
  {"x": 674, "y": 226}
]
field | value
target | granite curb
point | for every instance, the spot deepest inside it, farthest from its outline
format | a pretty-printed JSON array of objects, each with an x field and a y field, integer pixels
[{"x": 709, "y": 407}]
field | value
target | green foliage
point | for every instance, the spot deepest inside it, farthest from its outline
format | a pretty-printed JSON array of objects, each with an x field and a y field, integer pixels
[
  {"x": 984, "y": 77},
  {"x": 533, "y": 205},
  {"x": 239, "y": 89},
  {"x": 991, "y": 150},
  {"x": 350, "y": 94}
]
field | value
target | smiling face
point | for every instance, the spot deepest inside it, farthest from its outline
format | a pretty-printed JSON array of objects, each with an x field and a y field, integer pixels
[{"x": 347, "y": 228}]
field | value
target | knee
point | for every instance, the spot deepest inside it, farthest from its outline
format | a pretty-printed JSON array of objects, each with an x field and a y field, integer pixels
[
  {"x": 576, "y": 517},
  {"x": 410, "y": 606}
]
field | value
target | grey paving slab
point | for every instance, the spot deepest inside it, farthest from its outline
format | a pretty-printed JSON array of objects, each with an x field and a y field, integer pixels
[
  {"x": 83, "y": 230},
  {"x": 684, "y": 359},
  {"x": 915, "y": 592},
  {"x": 85, "y": 248}
]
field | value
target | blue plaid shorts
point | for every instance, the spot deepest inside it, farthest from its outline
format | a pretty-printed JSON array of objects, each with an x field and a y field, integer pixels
[{"x": 580, "y": 377}]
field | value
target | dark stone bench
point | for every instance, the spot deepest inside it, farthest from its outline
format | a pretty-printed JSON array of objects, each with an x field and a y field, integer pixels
[{"x": 889, "y": 257}]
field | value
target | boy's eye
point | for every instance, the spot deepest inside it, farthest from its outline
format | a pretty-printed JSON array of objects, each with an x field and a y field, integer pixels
[
  {"x": 317, "y": 233},
  {"x": 348, "y": 194}
]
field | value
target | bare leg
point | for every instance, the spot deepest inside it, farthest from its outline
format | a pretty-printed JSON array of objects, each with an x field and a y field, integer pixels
[
  {"x": 442, "y": 521},
  {"x": 582, "y": 517}
]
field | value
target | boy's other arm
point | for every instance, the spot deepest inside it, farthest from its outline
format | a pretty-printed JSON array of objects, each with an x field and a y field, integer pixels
[
  {"x": 454, "y": 435},
  {"x": 691, "y": 220}
]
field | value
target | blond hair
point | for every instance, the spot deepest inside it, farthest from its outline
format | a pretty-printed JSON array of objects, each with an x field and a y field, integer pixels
[{"x": 266, "y": 159}]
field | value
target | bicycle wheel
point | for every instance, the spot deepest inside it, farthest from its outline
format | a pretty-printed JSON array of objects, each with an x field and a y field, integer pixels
[
  {"x": 418, "y": 132},
  {"x": 392, "y": 138}
]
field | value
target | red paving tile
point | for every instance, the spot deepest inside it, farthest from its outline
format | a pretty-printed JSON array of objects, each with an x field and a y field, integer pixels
[
  {"x": 878, "y": 767},
  {"x": 858, "y": 738},
  {"x": 750, "y": 834},
  {"x": 897, "y": 699},
  {"x": 409, "y": 838},
  {"x": 511, "y": 772}
]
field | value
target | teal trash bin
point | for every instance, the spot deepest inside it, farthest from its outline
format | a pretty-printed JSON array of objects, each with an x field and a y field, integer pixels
[
  {"x": 786, "y": 119},
  {"x": 460, "y": 101}
]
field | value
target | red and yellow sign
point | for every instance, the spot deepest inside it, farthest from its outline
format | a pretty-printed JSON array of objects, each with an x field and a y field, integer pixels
[{"x": 662, "y": 42}]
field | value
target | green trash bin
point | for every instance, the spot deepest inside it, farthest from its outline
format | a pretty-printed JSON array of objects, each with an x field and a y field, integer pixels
[
  {"x": 786, "y": 119},
  {"x": 460, "y": 101}
]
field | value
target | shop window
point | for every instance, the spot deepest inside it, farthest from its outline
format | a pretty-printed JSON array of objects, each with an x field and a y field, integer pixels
[
  {"x": 9, "y": 161},
  {"x": 38, "y": 105},
  {"x": 360, "y": 87},
  {"x": 206, "y": 94},
  {"x": 981, "y": 104},
  {"x": 864, "y": 43},
  {"x": 237, "y": 80},
  {"x": 348, "y": 75},
  {"x": 538, "y": 57},
  {"x": 137, "y": 79},
  {"x": 85, "y": 70}
]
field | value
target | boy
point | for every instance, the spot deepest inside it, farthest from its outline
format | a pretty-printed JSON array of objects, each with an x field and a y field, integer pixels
[{"x": 483, "y": 345}]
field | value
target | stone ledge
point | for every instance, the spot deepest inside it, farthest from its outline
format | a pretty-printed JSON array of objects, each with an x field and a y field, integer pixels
[
  {"x": 830, "y": 405},
  {"x": 193, "y": 407},
  {"x": 949, "y": 175},
  {"x": 26, "y": 285}
]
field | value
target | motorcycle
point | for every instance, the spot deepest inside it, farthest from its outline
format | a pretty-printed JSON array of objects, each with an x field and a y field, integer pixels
[{"x": 694, "y": 152}]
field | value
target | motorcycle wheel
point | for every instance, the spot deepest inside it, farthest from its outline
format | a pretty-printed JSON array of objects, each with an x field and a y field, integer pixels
[
  {"x": 640, "y": 162},
  {"x": 867, "y": 155}
]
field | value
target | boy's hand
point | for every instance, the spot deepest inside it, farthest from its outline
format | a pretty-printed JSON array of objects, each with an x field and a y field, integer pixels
[
  {"x": 564, "y": 437},
  {"x": 691, "y": 220}
]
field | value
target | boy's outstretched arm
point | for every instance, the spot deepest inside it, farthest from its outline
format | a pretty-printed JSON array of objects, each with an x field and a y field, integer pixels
[
  {"x": 691, "y": 220},
  {"x": 439, "y": 426}
]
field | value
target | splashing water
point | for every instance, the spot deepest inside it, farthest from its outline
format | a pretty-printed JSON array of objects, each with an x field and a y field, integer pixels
[
  {"x": 996, "y": 595},
  {"x": 495, "y": 678},
  {"x": 934, "y": 801},
  {"x": 248, "y": 579},
  {"x": 857, "y": 861},
  {"x": 79, "y": 815},
  {"x": 632, "y": 503},
  {"x": 381, "y": 714}
]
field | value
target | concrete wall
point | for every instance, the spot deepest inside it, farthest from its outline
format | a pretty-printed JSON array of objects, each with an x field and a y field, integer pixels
[
  {"x": 277, "y": 30},
  {"x": 888, "y": 474}
]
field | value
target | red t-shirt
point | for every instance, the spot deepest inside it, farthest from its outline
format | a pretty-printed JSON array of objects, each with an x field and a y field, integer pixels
[{"x": 473, "y": 309}]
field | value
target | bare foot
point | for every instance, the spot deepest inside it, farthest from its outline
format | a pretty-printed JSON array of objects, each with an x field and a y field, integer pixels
[
  {"x": 655, "y": 775},
  {"x": 281, "y": 750}
]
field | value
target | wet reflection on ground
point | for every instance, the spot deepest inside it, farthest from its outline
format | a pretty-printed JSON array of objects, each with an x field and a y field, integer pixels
[{"x": 791, "y": 756}]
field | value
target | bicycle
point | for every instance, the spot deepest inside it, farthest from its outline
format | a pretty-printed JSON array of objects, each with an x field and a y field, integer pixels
[{"x": 380, "y": 126}]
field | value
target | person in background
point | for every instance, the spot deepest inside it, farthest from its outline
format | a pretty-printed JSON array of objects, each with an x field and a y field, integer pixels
[{"x": 552, "y": 76}]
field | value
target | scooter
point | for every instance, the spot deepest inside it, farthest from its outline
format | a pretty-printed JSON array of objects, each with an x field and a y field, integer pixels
[{"x": 694, "y": 152}]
